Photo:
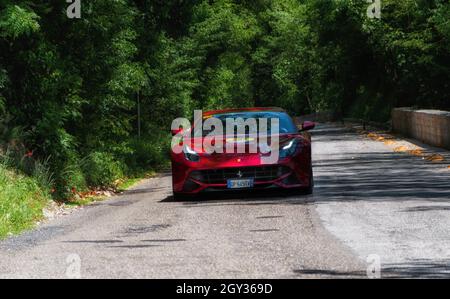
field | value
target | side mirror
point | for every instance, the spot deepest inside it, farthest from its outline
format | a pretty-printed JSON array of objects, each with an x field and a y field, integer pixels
[{"x": 307, "y": 125}]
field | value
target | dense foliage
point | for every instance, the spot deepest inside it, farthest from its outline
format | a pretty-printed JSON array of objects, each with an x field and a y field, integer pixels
[
  {"x": 70, "y": 88},
  {"x": 21, "y": 202}
]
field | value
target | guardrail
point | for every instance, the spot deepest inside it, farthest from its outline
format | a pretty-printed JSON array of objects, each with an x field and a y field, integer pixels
[{"x": 366, "y": 123}]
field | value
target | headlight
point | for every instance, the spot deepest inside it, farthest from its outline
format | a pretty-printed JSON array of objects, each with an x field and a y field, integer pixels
[
  {"x": 289, "y": 149},
  {"x": 190, "y": 154}
]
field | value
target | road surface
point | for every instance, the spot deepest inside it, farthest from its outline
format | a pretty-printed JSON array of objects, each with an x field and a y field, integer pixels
[{"x": 371, "y": 207}]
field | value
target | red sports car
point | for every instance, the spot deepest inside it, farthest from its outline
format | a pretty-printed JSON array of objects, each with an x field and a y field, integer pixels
[{"x": 196, "y": 171}]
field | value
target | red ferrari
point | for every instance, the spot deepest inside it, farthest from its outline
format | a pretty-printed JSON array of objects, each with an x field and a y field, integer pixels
[{"x": 197, "y": 171}]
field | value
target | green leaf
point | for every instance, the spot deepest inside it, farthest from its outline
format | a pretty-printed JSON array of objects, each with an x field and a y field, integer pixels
[{"x": 16, "y": 21}]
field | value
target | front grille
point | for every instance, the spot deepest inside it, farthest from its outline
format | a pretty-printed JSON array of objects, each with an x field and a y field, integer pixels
[
  {"x": 259, "y": 173},
  {"x": 190, "y": 186}
]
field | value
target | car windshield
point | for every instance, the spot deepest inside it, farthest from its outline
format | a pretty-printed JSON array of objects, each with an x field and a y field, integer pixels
[{"x": 286, "y": 124}]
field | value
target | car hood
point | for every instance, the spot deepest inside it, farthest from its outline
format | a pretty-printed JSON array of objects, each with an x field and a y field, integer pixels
[{"x": 236, "y": 142}]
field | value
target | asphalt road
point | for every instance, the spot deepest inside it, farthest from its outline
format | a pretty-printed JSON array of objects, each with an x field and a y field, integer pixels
[{"x": 368, "y": 202}]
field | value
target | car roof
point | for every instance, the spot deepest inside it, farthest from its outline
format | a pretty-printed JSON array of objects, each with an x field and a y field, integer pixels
[{"x": 237, "y": 110}]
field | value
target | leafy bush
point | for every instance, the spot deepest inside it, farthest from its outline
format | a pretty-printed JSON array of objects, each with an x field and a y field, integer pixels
[
  {"x": 16, "y": 157},
  {"x": 16, "y": 21},
  {"x": 148, "y": 152},
  {"x": 370, "y": 107},
  {"x": 21, "y": 202},
  {"x": 69, "y": 181},
  {"x": 102, "y": 169}
]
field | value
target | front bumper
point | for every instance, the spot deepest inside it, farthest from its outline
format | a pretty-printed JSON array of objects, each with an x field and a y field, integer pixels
[{"x": 284, "y": 175}]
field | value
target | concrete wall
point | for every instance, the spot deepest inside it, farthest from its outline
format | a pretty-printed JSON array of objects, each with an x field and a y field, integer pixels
[{"x": 429, "y": 126}]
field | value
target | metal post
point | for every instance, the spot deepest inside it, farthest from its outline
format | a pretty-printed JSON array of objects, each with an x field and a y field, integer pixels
[{"x": 139, "y": 115}]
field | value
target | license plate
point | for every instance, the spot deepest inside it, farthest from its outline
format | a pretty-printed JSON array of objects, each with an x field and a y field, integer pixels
[{"x": 238, "y": 184}]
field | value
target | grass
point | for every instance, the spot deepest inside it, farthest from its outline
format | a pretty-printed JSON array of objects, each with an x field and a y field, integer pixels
[
  {"x": 130, "y": 182},
  {"x": 84, "y": 201},
  {"x": 21, "y": 202}
]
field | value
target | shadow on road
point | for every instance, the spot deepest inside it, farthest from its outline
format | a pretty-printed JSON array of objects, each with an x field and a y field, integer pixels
[
  {"x": 375, "y": 175},
  {"x": 414, "y": 269},
  {"x": 250, "y": 198},
  {"x": 143, "y": 190}
]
